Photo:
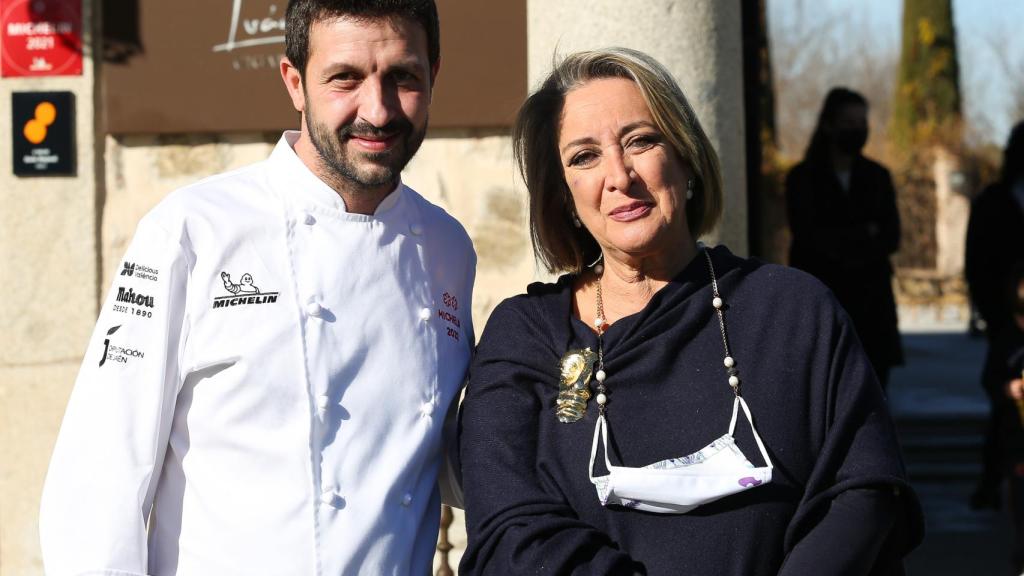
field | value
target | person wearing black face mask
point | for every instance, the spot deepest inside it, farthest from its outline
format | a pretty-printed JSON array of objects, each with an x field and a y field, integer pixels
[
  {"x": 844, "y": 224},
  {"x": 850, "y": 141}
]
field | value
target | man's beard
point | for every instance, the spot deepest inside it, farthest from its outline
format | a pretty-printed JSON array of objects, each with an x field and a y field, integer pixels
[{"x": 364, "y": 170}]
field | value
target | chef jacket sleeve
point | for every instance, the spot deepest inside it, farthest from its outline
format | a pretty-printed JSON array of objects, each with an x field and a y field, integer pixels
[
  {"x": 106, "y": 462},
  {"x": 450, "y": 477},
  {"x": 514, "y": 524}
]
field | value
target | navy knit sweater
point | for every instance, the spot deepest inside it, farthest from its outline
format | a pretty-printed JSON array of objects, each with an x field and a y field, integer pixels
[{"x": 531, "y": 509}]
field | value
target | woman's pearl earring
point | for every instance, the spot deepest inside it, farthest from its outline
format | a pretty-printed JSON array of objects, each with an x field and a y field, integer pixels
[
  {"x": 576, "y": 221},
  {"x": 689, "y": 189}
]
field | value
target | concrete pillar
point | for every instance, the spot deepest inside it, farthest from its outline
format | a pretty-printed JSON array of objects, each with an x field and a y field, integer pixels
[
  {"x": 699, "y": 41},
  {"x": 49, "y": 274},
  {"x": 952, "y": 210}
]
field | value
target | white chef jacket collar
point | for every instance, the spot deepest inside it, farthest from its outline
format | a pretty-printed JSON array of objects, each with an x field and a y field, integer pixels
[{"x": 302, "y": 182}]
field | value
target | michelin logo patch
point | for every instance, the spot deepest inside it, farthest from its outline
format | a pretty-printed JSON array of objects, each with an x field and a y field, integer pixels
[{"x": 243, "y": 293}]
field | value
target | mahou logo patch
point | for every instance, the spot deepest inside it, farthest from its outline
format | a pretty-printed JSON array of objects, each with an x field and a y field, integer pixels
[{"x": 128, "y": 301}]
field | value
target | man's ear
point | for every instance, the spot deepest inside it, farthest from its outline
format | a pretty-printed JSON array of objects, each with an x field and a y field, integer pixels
[
  {"x": 433, "y": 74},
  {"x": 293, "y": 82}
]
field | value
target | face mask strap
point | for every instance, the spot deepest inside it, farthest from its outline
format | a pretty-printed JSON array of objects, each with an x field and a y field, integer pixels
[
  {"x": 600, "y": 430},
  {"x": 740, "y": 402},
  {"x": 735, "y": 412}
]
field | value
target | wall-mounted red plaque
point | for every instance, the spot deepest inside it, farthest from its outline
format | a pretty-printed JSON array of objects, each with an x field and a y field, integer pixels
[{"x": 40, "y": 37}]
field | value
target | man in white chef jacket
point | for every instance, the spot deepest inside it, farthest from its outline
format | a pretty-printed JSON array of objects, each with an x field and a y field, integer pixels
[{"x": 266, "y": 386}]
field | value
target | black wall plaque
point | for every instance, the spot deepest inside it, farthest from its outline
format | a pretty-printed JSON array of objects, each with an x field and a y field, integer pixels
[{"x": 42, "y": 127}]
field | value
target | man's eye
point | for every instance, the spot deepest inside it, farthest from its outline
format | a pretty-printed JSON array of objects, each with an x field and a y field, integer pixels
[
  {"x": 404, "y": 77},
  {"x": 345, "y": 78}
]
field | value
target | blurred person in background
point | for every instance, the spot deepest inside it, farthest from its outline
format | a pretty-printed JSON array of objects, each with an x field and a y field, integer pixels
[
  {"x": 1010, "y": 379},
  {"x": 845, "y": 225},
  {"x": 995, "y": 244}
]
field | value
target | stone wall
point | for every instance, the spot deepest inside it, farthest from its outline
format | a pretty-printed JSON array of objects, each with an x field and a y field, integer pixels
[{"x": 49, "y": 274}]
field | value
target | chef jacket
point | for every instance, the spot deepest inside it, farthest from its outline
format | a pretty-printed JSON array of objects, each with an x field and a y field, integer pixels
[{"x": 266, "y": 386}]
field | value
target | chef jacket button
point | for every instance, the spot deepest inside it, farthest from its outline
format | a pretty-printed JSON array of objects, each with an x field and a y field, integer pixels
[
  {"x": 427, "y": 409},
  {"x": 332, "y": 499},
  {"x": 425, "y": 314},
  {"x": 314, "y": 308},
  {"x": 416, "y": 229},
  {"x": 407, "y": 499},
  {"x": 310, "y": 219},
  {"x": 322, "y": 401}
]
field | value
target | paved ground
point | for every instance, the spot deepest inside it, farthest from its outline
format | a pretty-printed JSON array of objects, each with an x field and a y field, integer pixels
[{"x": 939, "y": 383}]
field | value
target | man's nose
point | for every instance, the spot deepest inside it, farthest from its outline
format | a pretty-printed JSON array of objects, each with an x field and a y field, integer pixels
[{"x": 379, "y": 102}]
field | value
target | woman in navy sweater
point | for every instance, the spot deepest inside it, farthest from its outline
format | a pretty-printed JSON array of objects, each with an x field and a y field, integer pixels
[{"x": 665, "y": 408}]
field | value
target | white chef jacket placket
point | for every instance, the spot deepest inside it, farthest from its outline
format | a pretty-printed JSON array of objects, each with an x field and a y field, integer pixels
[{"x": 369, "y": 332}]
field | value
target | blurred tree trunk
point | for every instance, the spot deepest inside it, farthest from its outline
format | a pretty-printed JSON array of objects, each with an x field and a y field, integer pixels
[
  {"x": 768, "y": 231},
  {"x": 926, "y": 125},
  {"x": 767, "y": 92},
  {"x": 927, "y": 106}
]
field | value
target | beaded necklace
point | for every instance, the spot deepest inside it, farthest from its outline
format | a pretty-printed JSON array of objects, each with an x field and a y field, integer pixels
[{"x": 599, "y": 324}]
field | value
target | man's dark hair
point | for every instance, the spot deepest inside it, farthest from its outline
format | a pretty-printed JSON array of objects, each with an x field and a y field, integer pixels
[{"x": 302, "y": 14}]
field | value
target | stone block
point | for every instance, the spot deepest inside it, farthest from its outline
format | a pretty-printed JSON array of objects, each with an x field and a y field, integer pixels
[{"x": 32, "y": 402}]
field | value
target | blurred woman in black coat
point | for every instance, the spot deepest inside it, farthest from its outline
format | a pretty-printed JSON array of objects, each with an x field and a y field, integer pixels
[
  {"x": 844, "y": 221},
  {"x": 995, "y": 244}
]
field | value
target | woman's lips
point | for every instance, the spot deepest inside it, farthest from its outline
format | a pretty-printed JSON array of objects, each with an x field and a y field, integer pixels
[{"x": 631, "y": 211}]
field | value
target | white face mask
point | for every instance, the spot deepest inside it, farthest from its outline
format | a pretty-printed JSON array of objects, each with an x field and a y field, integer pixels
[{"x": 678, "y": 485}]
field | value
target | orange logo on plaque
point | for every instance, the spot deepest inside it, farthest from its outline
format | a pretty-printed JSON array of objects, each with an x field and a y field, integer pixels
[{"x": 35, "y": 129}]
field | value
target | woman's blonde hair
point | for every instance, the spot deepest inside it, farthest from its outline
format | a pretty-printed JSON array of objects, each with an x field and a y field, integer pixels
[{"x": 559, "y": 245}]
